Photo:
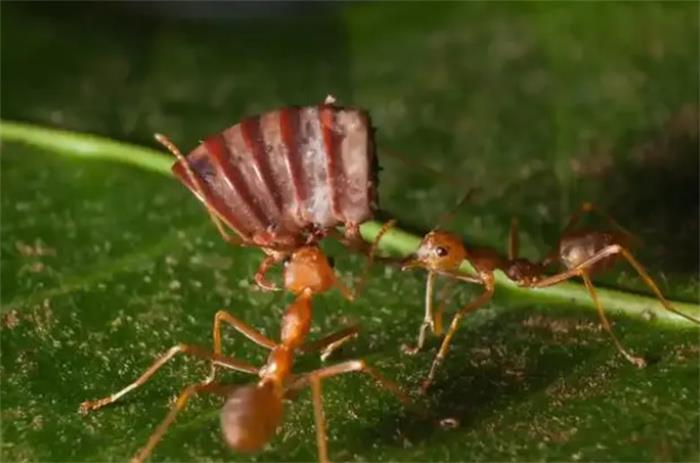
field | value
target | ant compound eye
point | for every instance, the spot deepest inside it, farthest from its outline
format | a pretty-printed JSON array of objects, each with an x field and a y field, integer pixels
[
  {"x": 286, "y": 261},
  {"x": 331, "y": 261},
  {"x": 441, "y": 251}
]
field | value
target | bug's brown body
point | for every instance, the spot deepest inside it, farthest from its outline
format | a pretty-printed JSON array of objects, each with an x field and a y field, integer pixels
[
  {"x": 580, "y": 252},
  {"x": 286, "y": 178}
]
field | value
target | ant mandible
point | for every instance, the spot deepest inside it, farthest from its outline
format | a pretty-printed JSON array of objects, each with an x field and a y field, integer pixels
[
  {"x": 252, "y": 413},
  {"x": 580, "y": 252}
]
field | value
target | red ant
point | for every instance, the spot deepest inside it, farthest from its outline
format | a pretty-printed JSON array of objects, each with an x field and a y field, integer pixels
[
  {"x": 581, "y": 253},
  {"x": 252, "y": 413}
]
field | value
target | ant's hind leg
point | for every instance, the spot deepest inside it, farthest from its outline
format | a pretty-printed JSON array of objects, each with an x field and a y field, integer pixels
[
  {"x": 654, "y": 288},
  {"x": 179, "y": 405},
  {"x": 319, "y": 419},
  {"x": 580, "y": 270},
  {"x": 314, "y": 380},
  {"x": 329, "y": 344},
  {"x": 637, "y": 361},
  {"x": 193, "y": 351},
  {"x": 603, "y": 254}
]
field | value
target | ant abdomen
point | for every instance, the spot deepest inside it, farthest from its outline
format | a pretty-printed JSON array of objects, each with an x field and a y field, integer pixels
[
  {"x": 577, "y": 247},
  {"x": 250, "y": 416}
]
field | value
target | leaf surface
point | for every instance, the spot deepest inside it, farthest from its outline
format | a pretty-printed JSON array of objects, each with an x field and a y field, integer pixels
[{"x": 106, "y": 262}]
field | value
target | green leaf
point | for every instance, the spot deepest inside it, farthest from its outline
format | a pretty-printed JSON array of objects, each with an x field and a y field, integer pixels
[{"x": 107, "y": 261}]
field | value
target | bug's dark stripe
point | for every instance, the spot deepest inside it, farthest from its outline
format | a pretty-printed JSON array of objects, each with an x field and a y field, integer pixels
[
  {"x": 334, "y": 167},
  {"x": 289, "y": 125},
  {"x": 221, "y": 157},
  {"x": 214, "y": 201},
  {"x": 252, "y": 136}
]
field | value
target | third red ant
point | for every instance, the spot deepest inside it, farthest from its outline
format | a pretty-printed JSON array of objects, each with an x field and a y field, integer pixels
[{"x": 580, "y": 252}]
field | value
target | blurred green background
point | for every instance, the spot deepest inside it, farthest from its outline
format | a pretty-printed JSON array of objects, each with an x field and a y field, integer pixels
[{"x": 541, "y": 105}]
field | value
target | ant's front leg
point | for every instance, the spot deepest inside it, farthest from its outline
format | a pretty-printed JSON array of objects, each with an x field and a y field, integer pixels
[
  {"x": 428, "y": 320},
  {"x": 186, "y": 349},
  {"x": 242, "y": 327},
  {"x": 264, "y": 267}
]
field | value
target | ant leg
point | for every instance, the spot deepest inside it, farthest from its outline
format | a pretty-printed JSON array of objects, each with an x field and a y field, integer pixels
[
  {"x": 650, "y": 283},
  {"x": 513, "y": 239},
  {"x": 264, "y": 267},
  {"x": 329, "y": 344},
  {"x": 319, "y": 419},
  {"x": 437, "y": 327},
  {"x": 196, "y": 183},
  {"x": 447, "y": 216},
  {"x": 514, "y": 245},
  {"x": 360, "y": 283},
  {"x": 587, "y": 208},
  {"x": 349, "y": 367},
  {"x": 460, "y": 276},
  {"x": 428, "y": 320},
  {"x": 242, "y": 327},
  {"x": 444, "y": 348},
  {"x": 602, "y": 254},
  {"x": 575, "y": 217},
  {"x": 314, "y": 380},
  {"x": 179, "y": 405},
  {"x": 576, "y": 271},
  {"x": 193, "y": 351},
  {"x": 636, "y": 361}
]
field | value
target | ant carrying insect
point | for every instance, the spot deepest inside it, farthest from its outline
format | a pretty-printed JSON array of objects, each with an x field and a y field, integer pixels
[
  {"x": 248, "y": 202},
  {"x": 580, "y": 252},
  {"x": 252, "y": 413}
]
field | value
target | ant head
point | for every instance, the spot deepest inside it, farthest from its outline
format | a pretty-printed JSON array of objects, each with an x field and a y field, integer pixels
[
  {"x": 438, "y": 251},
  {"x": 308, "y": 267},
  {"x": 250, "y": 416}
]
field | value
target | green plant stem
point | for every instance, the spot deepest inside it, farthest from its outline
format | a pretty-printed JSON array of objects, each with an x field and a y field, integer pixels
[
  {"x": 396, "y": 241},
  {"x": 82, "y": 145}
]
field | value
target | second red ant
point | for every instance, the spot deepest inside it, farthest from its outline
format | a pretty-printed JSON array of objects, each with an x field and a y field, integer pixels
[{"x": 581, "y": 252}]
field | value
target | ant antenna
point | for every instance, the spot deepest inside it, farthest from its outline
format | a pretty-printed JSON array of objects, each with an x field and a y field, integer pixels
[
  {"x": 419, "y": 165},
  {"x": 587, "y": 208},
  {"x": 446, "y": 217}
]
